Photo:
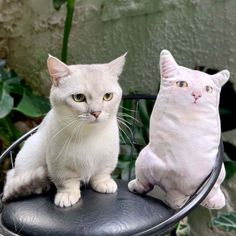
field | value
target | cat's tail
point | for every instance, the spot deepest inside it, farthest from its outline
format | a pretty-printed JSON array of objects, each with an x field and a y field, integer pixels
[{"x": 19, "y": 183}]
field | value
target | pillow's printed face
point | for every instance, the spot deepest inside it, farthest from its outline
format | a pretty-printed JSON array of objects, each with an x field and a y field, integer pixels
[
  {"x": 188, "y": 88},
  {"x": 191, "y": 89}
]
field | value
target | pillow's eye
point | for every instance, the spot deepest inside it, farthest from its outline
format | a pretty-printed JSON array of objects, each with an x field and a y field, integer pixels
[
  {"x": 182, "y": 84},
  {"x": 209, "y": 89},
  {"x": 79, "y": 97},
  {"x": 108, "y": 96}
]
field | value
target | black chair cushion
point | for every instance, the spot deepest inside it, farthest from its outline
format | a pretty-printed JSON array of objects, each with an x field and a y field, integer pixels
[{"x": 121, "y": 213}]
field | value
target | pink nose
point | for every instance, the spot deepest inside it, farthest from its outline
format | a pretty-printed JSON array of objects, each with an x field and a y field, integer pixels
[
  {"x": 96, "y": 114},
  {"x": 196, "y": 95}
]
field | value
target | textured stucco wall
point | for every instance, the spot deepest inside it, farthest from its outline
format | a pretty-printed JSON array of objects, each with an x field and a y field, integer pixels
[{"x": 198, "y": 32}]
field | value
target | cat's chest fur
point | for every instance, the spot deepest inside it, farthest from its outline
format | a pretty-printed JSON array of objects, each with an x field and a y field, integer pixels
[{"x": 83, "y": 150}]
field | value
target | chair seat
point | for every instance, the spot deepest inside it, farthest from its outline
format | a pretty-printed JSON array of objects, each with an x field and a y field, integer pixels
[{"x": 121, "y": 213}]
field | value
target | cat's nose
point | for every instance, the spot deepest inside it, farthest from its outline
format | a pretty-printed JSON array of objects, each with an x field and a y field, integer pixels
[
  {"x": 196, "y": 95},
  {"x": 96, "y": 114}
]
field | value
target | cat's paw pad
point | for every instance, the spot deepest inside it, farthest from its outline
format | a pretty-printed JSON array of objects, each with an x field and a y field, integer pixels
[
  {"x": 66, "y": 199},
  {"x": 108, "y": 186}
]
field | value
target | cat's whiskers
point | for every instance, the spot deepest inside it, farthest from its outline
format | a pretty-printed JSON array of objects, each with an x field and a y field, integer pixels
[
  {"x": 123, "y": 122},
  {"x": 122, "y": 137},
  {"x": 127, "y": 125},
  {"x": 82, "y": 115},
  {"x": 75, "y": 131},
  {"x": 64, "y": 127},
  {"x": 67, "y": 142},
  {"x": 127, "y": 109},
  {"x": 62, "y": 148},
  {"x": 125, "y": 135},
  {"x": 66, "y": 117},
  {"x": 78, "y": 139},
  {"x": 121, "y": 114}
]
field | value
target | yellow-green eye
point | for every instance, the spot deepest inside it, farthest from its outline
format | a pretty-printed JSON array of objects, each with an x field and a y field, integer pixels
[
  {"x": 79, "y": 97},
  {"x": 209, "y": 89},
  {"x": 182, "y": 84},
  {"x": 108, "y": 96}
]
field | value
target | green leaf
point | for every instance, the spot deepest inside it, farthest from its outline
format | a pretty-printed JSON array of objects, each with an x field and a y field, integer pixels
[
  {"x": 16, "y": 89},
  {"x": 230, "y": 167},
  {"x": 125, "y": 149},
  {"x": 32, "y": 105},
  {"x": 58, "y": 3},
  {"x": 6, "y": 101},
  {"x": 8, "y": 132},
  {"x": 225, "y": 111},
  {"x": 139, "y": 137},
  {"x": 144, "y": 113},
  {"x": 226, "y": 221},
  {"x": 183, "y": 228}
]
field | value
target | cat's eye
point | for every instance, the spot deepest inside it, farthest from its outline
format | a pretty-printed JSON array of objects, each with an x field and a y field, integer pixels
[
  {"x": 182, "y": 84},
  {"x": 79, "y": 97},
  {"x": 108, "y": 96},
  {"x": 209, "y": 89}
]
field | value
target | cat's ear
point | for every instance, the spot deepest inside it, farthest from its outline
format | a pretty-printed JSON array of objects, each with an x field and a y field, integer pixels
[
  {"x": 116, "y": 66},
  {"x": 168, "y": 65},
  {"x": 57, "y": 69},
  {"x": 221, "y": 78}
]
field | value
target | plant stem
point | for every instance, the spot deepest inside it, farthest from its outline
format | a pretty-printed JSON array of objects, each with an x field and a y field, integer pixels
[{"x": 67, "y": 29}]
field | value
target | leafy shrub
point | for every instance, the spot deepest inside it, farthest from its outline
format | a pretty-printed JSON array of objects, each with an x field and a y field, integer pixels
[
  {"x": 226, "y": 222},
  {"x": 17, "y": 102}
]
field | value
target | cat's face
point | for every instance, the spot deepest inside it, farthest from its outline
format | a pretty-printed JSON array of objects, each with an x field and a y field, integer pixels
[
  {"x": 88, "y": 93},
  {"x": 189, "y": 88}
]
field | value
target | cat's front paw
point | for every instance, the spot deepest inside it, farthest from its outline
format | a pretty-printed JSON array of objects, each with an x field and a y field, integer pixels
[
  {"x": 66, "y": 199},
  {"x": 106, "y": 186}
]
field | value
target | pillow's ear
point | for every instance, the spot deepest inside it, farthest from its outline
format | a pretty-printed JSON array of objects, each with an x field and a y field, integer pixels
[
  {"x": 57, "y": 69},
  {"x": 116, "y": 66},
  {"x": 221, "y": 78},
  {"x": 168, "y": 65}
]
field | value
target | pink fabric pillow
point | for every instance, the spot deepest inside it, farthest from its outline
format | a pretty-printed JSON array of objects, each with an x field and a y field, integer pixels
[{"x": 184, "y": 135}]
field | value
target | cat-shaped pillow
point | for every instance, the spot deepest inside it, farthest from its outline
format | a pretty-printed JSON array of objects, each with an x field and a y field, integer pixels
[{"x": 184, "y": 135}]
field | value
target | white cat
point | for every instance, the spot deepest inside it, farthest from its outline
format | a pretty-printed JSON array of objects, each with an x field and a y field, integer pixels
[
  {"x": 184, "y": 135},
  {"x": 78, "y": 141}
]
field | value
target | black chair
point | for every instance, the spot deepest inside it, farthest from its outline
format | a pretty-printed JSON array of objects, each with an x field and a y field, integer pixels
[{"x": 96, "y": 214}]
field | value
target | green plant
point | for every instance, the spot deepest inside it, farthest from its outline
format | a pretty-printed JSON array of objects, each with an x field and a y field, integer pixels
[
  {"x": 68, "y": 23},
  {"x": 17, "y": 102},
  {"x": 133, "y": 120},
  {"x": 226, "y": 222}
]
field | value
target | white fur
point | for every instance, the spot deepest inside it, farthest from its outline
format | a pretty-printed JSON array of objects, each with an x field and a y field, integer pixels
[
  {"x": 72, "y": 145},
  {"x": 184, "y": 136}
]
